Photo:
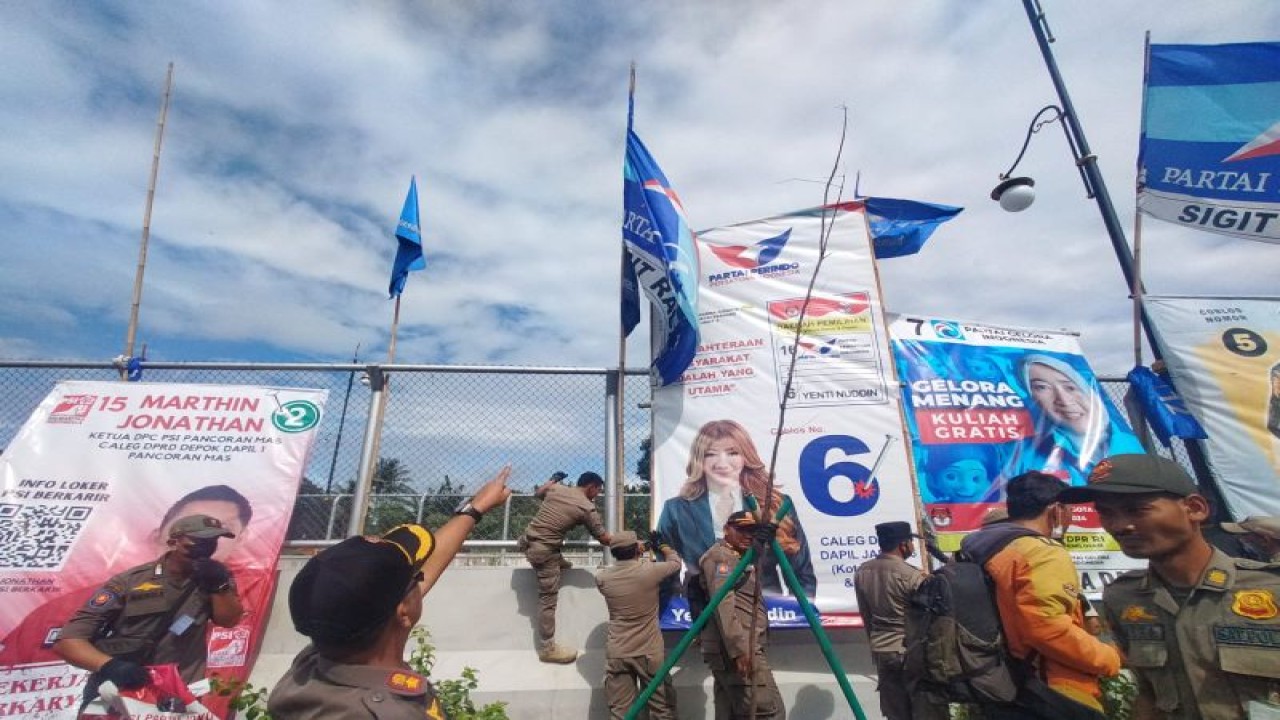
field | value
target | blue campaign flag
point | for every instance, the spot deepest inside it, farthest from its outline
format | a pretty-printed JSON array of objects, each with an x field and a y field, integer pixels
[
  {"x": 660, "y": 258},
  {"x": 408, "y": 236},
  {"x": 1163, "y": 407},
  {"x": 901, "y": 227},
  {"x": 1209, "y": 156}
]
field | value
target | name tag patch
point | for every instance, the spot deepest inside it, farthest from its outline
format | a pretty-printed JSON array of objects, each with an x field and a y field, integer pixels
[
  {"x": 1266, "y": 637},
  {"x": 1152, "y": 632}
]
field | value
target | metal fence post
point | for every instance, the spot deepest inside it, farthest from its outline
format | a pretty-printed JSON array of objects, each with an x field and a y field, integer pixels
[
  {"x": 369, "y": 451},
  {"x": 333, "y": 516},
  {"x": 613, "y": 454}
]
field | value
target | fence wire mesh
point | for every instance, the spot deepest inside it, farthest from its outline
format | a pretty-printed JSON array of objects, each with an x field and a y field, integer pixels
[{"x": 445, "y": 432}]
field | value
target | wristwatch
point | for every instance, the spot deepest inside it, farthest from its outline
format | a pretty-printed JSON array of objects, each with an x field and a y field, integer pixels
[{"x": 466, "y": 508}]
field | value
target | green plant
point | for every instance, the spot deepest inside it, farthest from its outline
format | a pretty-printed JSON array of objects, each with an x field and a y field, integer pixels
[
  {"x": 245, "y": 697},
  {"x": 1118, "y": 694},
  {"x": 455, "y": 695}
]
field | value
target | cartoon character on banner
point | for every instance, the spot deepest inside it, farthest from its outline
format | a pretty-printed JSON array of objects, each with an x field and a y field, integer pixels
[{"x": 960, "y": 473}]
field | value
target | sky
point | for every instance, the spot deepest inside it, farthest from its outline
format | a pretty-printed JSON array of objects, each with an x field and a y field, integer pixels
[{"x": 294, "y": 128}]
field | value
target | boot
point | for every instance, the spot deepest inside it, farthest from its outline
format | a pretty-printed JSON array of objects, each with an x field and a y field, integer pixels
[{"x": 556, "y": 653}]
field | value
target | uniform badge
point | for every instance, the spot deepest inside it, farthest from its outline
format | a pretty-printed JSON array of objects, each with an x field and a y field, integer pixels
[
  {"x": 147, "y": 586},
  {"x": 102, "y": 598},
  {"x": 1216, "y": 578},
  {"x": 434, "y": 711},
  {"x": 1137, "y": 613},
  {"x": 1100, "y": 471},
  {"x": 404, "y": 681},
  {"x": 1255, "y": 604}
]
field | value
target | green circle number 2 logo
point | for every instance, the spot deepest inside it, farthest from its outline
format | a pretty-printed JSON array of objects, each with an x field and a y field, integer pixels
[{"x": 296, "y": 416}]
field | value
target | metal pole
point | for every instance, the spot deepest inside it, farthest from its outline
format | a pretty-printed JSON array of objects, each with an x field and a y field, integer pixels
[
  {"x": 131, "y": 335},
  {"x": 1088, "y": 161},
  {"x": 342, "y": 421},
  {"x": 369, "y": 452},
  {"x": 613, "y": 451},
  {"x": 1098, "y": 190}
]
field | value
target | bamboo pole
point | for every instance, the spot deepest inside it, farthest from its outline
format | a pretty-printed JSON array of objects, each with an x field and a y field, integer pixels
[{"x": 131, "y": 335}]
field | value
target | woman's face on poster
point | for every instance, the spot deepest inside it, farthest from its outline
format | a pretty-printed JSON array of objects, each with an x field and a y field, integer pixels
[
  {"x": 1065, "y": 402},
  {"x": 722, "y": 463}
]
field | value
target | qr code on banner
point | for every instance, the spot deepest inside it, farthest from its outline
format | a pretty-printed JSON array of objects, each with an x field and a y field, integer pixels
[{"x": 39, "y": 537}]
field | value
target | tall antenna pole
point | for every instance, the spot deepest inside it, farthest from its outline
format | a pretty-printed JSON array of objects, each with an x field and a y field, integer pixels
[{"x": 132, "y": 335}]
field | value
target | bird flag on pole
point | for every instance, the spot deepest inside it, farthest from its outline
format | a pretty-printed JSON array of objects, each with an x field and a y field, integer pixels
[
  {"x": 901, "y": 227},
  {"x": 409, "y": 238},
  {"x": 661, "y": 258}
]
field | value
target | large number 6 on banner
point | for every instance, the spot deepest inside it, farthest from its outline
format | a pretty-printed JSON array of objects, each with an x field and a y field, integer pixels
[{"x": 818, "y": 476}]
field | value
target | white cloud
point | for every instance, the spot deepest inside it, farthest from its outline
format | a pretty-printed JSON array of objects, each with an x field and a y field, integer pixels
[{"x": 293, "y": 132}]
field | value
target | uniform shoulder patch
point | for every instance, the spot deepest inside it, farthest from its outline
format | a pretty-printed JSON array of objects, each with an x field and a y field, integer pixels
[
  {"x": 1216, "y": 577},
  {"x": 103, "y": 598},
  {"x": 407, "y": 682},
  {"x": 1255, "y": 604}
]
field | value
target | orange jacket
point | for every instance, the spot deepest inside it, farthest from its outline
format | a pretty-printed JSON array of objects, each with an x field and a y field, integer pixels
[{"x": 1038, "y": 594}]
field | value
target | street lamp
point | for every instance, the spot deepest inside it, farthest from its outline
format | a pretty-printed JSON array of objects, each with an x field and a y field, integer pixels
[
  {"x": 1096, "y": 188},
  {"x": 1016, "y": 194}
]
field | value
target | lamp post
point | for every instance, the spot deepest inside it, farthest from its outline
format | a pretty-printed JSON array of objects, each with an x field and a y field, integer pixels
[
  {"x": 1086, "y": 163},
  {"x": 1096, "y": 188}
]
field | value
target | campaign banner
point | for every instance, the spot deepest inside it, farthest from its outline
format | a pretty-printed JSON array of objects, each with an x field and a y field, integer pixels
[
  {"x": 985, "y": 404},
  {"x": 1209, "y": 155},
  {"x": 89, "y": 488},
  {"x": 1223, "y": 355},
  {"x": 841, "y": 457}
]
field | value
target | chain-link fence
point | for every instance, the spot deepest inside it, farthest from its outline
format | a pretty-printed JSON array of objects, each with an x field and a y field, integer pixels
[{"x": 446, "y": 430}]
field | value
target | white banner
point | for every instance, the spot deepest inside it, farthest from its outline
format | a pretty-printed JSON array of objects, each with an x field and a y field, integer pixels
[
  {"x": 1224, "y": 357},
  {"x": 840, "y": 456},
  {"x": 90, "y": 485}
]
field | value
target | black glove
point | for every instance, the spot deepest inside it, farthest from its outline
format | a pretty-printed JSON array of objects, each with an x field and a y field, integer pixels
[
  {"x": 763, "y": 536},
  {"x": 210, "y": 575},
  {"x": 126, "y": 675},
  {"x": 656, "y": 540}
]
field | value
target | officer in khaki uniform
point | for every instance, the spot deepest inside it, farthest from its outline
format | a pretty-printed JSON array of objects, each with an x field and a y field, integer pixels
[
  {"x": 1199, "y": 629},
  {"x": 563, "y": 508},
  {"x": 738, "y": 673},
  {"x": 883, "y": 586},
  {"x": 634, "y": 649},
  {"x": 155, "y": 613},
  {"x": 358, "y": 601}
]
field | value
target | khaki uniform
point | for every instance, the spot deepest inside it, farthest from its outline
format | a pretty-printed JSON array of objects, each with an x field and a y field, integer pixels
[
  {"x": 133, "y": 605},
  {"x": 316, "y": 688},
  {"x": 883, "y": 585},
  {"x": 727, "y": 636},
  {"x": 1208, "y": 654},
  {"x": 563, "y": 508},
  {"x": 634, "y": 649}
]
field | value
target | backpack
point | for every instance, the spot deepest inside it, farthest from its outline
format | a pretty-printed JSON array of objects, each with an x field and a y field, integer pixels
[{"x": 955, "y": 649}]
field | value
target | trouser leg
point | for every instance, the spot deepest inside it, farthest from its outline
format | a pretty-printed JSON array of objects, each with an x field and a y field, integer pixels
[
  {"x": 895, "y": 701},
  {"x": 546, "y": 565},
  {"x": 662, "y": 704},
  {"x": 620, "y": 686}
]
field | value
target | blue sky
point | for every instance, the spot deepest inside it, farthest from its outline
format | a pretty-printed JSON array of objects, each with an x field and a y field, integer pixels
[{"x": 294, "y": 129}]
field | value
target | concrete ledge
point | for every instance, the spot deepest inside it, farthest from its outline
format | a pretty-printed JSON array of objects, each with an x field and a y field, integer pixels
[{"x": 483, "y": 617}]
